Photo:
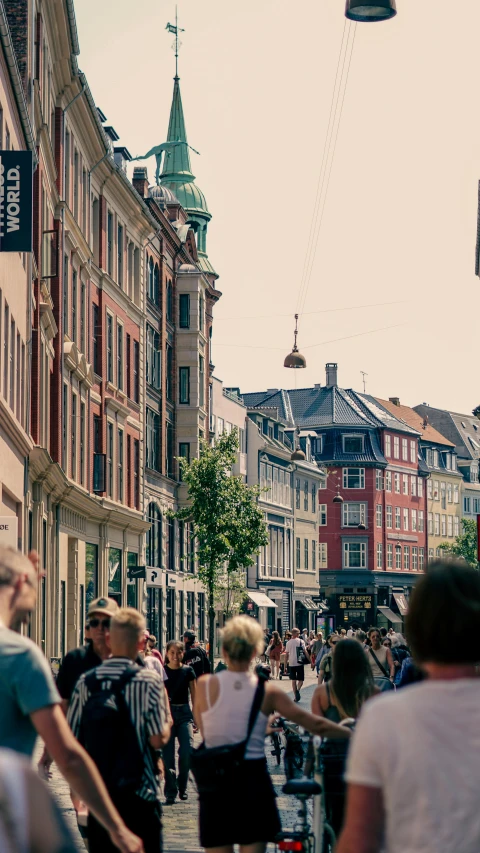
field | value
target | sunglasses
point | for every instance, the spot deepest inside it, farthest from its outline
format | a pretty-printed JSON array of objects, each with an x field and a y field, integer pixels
[{"x": 94, "y": 623}]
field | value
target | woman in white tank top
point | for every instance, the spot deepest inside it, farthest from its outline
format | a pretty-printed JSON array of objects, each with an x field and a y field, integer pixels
[{"x": 246, "y": 815}]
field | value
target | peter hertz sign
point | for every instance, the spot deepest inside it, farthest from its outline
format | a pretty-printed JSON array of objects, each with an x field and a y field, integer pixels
[{"x": 16, "y": 179}]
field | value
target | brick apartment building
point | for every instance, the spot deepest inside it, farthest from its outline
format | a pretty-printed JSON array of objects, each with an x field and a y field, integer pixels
[{"x": 116, "y": 279}]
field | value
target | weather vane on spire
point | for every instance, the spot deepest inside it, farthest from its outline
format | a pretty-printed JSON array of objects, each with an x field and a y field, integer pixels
[{"x": 174, "y": 28}]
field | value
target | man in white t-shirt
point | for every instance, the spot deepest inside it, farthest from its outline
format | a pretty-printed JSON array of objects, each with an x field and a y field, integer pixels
[
  {"x": 295, "y": 668},
  {"x": 413, "y": 770}
]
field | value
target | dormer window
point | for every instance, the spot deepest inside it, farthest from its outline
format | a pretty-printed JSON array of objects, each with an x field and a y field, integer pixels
[{"x": 352, "y": 443}]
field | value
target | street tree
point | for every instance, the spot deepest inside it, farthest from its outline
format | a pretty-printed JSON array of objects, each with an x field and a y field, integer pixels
[
  {"x": 228, "y": 525},
  {"x": 464, "y": 545}
]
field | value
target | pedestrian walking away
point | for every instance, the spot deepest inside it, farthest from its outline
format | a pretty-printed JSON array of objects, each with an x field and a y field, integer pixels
[
  {"x": 119, "y": 712},
  {"x": 413, "y": 770},
  {"x": 297, "y": 656},
  {"x": 239, "y": 807},
  {"x": 30, "y": 702},
  {"x": 180, "y": 686}
]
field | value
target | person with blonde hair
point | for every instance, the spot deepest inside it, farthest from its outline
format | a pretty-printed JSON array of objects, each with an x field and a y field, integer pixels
[
  {"x": 228, "y": 705},
  {"x": 119, "y": 711}
]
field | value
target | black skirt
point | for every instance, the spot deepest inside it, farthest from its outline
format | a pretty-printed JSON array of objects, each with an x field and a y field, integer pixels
[{"x": 243, "y": 814}]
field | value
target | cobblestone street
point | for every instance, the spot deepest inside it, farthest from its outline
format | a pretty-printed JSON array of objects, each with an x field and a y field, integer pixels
[{"x": 180, "y": 820}]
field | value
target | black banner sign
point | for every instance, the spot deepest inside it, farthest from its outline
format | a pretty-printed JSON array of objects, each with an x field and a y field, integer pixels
[{"x": 16, "y": 195}]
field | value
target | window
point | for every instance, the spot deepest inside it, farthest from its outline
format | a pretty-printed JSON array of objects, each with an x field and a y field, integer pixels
[
  {"x": 389, "y": 517},
  {"x": 323, "y": 515},
  {"x": 398, "y": 556},
  {"x": 421, "y": 521},
  {"x": 201, "y": 379},
  {"x": 456, "y": 525},
  {"x": 109, "y": 348},
  {"x": 305, "y": 496},
  {"x": 354, "y": 555},
  {"x": 389, "y": 556},
  {"x": 95, "y": 341},
  {"x": 184, "y": 385},
  {"x": 136, "y": 371},
  {"x": 449, "y": 525},
  {"x": 297, "y": 552},
  {"x": 406, "y": 558},
  {"x": 110, "y": 460},
  {"x": 455, "y": 494},
  {"x": 352, "y": 443},
  {"x": 437, "y": 524},
  {"x": 297, "y": 494},
  {"x": 414, "y": 520},
  {"x": 379, "y": 555},
  {"x": 323, "y": 551},
  {"x": 353, "y": 514},
  {"x": 120, "y": 464},
  {"x": 397, "y": 518},
  {"x": 354, "y": 478},
  {"x": 305, "y": 553},
  {"x": 379, "y": 515},
  {"x": 396, "y": 478},
  {"x": 413, "y": 486},
  {"x": 396, "y": 447},
  {"x": 405, "y": 449},
  {"x": 120, "y": 357},
  {"x": 378, "y": 480},
  {"x": 420, "y": 487},
  {"x": 444, "y": 525},
  {"x": 421, "y": 559},
  {"x": 413, "y": 451},
  {"x": 388, "y": 481},
  {"x": 74, "y": 436},
  {"x": 184, "y": 310},
  {"x": 314, "y": 555},
  {"x": 405, "y": 518},
  {"x": 314, "y": 498},
  {"x": 405, "y": 484},
  {"x": 388, "y": 446},
  {"x": 430, "y": 523}
]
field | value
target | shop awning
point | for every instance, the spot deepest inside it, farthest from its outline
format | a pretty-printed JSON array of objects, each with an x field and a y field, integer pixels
[
  {"x": 392, "y": 617},
  {"x": 260, "y": 599},
  {"x": 401, "y": 602},
  {"x": 306, "y": 602}
]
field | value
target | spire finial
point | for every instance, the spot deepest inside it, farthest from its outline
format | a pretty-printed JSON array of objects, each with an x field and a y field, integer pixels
[{"x": 175, "y": 29}]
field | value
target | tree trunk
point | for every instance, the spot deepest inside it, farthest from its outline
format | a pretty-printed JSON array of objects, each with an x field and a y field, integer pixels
[{"x": 211, "y": 624}]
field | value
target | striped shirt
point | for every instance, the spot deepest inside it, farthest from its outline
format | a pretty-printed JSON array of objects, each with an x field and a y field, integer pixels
[{"x": 146, "y": 699}]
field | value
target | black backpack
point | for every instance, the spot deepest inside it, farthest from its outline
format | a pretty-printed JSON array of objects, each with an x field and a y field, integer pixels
[{"x": 108, "y": 733}]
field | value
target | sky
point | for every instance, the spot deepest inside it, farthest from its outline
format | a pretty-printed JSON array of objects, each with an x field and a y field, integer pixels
[{"x": 399, "y": 223}]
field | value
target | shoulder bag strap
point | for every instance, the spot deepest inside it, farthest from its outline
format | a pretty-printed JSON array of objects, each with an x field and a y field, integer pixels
[{"x": 386, "y": 674}]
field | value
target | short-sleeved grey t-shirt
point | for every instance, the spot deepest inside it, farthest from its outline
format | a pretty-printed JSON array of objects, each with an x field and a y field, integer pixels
[{"x": 26, "y": 685}]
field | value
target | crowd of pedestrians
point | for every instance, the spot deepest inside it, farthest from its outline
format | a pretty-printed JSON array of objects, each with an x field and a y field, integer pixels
[{"x": 397, "y": 716}]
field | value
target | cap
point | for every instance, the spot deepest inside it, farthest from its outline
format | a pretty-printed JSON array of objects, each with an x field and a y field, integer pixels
[
  {"x": 189, "y": 635},
  {"x": 102, "y": 605}
]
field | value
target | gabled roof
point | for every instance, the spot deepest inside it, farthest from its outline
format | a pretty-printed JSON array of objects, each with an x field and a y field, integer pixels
[
  {"x": 415, "y": 420},
  {"x": 462, "y": 430}
]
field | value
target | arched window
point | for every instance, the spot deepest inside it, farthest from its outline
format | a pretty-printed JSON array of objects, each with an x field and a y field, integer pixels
[
  {"x": 156, "y": 285},
  {"x": 170, "y": 302},
  {"x": 154, "y": 536},
  {"x": 151, "y": 289}
]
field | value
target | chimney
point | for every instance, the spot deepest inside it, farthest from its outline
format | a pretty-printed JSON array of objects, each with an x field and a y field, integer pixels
[
  {"x": 394, "y": 400},
  {"x": 331, "y": 370},
  {"x": 140, "y": 181}
]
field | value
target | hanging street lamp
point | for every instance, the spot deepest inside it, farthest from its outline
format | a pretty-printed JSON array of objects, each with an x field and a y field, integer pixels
[
  {"x": 367, "y": 12},
  {"x": 295, "y": 359}
]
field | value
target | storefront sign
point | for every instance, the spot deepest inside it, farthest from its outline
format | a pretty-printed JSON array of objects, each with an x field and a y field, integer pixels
[
  {"x": 355, "y": 602},
  {"x": 9, "y": 531},
  {"x": 16, "y": 193}
]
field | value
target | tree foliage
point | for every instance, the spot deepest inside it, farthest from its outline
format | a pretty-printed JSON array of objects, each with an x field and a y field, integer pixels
[
  {"x": 228, "y": 524},
  {"x": 464, "y": 545}
]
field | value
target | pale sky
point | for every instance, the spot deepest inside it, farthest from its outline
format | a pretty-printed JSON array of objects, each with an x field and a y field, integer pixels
[{"x": 399, "y": 225}]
